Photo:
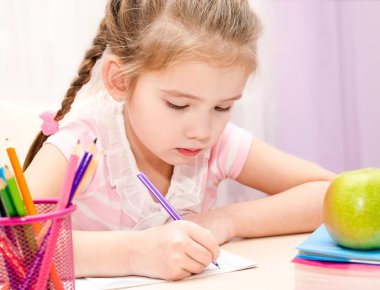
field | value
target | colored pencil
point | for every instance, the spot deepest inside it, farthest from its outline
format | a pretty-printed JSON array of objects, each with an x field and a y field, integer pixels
[
  {"x": 26, "y": 232},
  {"x": 69, "y": 177},
  {"x": 2, "y": 210},
  {"x": 10, "y": 211},
  {"x": 6, "y": 286},
  {"x": 161, "y": 199},
  {"x": 11, "y": 254},
  {"x": 2, "y": 173},
  {"x": 82, "y": 168},
  {"x": 30, "y": 208},
  {"x": 55, "y": 226},
  {"x": 88, "y": 174},
  {"x": 15, "y": 193},
  {"x": 29, "y": 205},
  {"x": 6, "y": 200},
  {"x": 11, "y": 266},
  {"x": 40, "y": 254}
]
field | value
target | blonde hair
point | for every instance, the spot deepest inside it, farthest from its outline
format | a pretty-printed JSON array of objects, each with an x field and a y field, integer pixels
[{"x": 148, "y": 35}]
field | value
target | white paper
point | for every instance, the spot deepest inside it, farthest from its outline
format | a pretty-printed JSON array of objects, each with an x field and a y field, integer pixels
[{"x": 228, "y": 263}]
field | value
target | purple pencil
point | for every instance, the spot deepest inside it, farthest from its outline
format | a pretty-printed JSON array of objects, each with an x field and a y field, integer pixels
[
  {"x": 161, "y": 199},
  {"x": 34, "y": 269},
  {"x": 82, "y": 167},
  {"x": 165, "y": 204}
]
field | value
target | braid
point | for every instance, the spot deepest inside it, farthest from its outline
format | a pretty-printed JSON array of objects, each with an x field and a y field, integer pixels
[{"x": 84, "y": 75}]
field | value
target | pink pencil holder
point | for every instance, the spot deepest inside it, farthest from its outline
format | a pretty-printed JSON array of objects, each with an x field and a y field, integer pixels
[{"x": 36, "y": 252}]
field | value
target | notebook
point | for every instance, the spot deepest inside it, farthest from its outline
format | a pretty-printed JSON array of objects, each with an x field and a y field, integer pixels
[
  {"x": 228, "y": 262},
  {"x": 318, "y": 275},
  {"x": 320, "y": 246}
]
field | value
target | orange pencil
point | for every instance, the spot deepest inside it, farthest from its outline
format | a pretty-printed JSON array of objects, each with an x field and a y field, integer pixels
[
  {"x": 30, "y": 208},
  {"x": 6, "y": 286}
]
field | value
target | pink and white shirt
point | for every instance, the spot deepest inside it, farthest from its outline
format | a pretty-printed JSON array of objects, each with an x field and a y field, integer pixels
[{"x": 115, "y": 199}]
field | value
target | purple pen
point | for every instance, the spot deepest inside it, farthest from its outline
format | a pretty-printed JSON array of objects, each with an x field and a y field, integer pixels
[{"x": 161, "y": 199}]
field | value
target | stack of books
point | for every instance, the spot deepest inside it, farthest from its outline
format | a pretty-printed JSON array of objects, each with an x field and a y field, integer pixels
[{"x": 322, "y": 264}]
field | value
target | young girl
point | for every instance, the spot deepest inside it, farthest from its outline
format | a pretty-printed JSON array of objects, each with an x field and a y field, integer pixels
[{"x": 172, "y": 71}]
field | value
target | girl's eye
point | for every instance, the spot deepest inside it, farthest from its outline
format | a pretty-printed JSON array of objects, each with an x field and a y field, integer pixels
[
  {"x": 220, "y": 109},
  {"x": 176, "y": 107}
]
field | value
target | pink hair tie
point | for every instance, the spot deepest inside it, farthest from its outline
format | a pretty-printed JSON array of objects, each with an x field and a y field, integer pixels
[{"x": 50, "y": 124}]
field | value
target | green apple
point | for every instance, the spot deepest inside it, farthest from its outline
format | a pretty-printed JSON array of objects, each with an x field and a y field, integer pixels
[{"x": 352, "y": 209}]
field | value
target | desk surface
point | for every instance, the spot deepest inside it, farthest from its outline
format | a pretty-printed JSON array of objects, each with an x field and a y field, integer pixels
[{"x": 275, "y": 270}]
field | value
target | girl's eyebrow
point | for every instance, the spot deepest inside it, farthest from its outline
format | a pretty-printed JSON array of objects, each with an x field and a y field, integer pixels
[{"x": 185, "y": 95}]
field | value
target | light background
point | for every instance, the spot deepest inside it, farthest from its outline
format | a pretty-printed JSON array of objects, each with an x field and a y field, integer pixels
[{"x": 315, "y": 93}]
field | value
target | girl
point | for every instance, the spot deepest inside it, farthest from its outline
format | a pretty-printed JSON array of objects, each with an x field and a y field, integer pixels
[{"x": 172, "y": 71}]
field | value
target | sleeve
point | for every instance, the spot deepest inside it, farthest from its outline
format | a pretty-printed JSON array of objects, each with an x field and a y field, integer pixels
[
  {"x": 67, "y": 136},
  {"x": 230, "y": 152}
]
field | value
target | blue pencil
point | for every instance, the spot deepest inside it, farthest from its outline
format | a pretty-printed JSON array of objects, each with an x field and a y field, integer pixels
[
  {"x": 2, "y": 173},
  {"x": 161, "y": 199}
]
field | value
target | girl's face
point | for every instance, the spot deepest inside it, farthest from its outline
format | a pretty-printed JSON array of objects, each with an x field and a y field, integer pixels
[{"x": 178, "y": 113}]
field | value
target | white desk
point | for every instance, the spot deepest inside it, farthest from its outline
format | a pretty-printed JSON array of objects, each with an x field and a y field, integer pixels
[{"x": 274, "y": 272}]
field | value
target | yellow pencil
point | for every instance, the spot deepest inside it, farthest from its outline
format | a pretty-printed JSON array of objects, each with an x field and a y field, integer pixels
[
  {"x": 90, "y": 169},
  {"x": 89, "y": 172}
]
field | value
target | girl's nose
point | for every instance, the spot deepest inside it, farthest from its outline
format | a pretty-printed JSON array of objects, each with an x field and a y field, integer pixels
[{"x": 199, "y": 128}]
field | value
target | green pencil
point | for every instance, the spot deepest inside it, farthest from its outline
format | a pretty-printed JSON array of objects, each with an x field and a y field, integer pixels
[
  {"x": 14, "y": 192},
  {"x": 6, "y": 200},
  {"x": 23, "y": 233}
]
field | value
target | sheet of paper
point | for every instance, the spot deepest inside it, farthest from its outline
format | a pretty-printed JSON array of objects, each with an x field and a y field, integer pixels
[{"x": 228, "y": 263}]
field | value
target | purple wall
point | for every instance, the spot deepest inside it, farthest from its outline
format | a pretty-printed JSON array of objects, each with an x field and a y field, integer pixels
[{"x": 326, "y": 62}]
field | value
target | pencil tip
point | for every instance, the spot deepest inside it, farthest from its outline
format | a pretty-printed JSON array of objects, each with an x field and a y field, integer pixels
[
  {"x": 96, "y": 139},
  {"x": 8, "y": 143}
]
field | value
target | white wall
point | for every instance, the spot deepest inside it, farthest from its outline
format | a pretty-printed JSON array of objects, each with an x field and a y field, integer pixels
[{"x": 42, "y": 43}]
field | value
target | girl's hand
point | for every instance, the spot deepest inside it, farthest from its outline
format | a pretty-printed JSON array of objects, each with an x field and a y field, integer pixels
[
  {"x": 174, "y": 251},
  {"x": 220, "y": 224}
]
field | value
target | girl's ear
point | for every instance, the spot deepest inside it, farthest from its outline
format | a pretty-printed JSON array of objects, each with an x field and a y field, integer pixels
[{"x": 114, "y": 80}]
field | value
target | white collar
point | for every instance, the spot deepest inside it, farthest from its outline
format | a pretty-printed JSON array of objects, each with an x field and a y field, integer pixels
[{"x": 187, "y": 185}]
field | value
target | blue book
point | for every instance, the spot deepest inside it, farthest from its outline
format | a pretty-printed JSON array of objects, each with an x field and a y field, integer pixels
[{"x": 319, "y": 246}]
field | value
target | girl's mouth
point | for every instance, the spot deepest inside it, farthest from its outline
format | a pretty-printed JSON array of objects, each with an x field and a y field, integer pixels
[{"x": 188, "y": 151}]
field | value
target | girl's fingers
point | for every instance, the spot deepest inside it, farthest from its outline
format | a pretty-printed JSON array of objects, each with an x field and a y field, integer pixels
[
  {"x": 178, "y": 275},
  {"x": 204, "y": 238},
  {"x": 193, "y": 266},
  {"x": 184, "y": 248},
  {"x": 199, "y": 253}
]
